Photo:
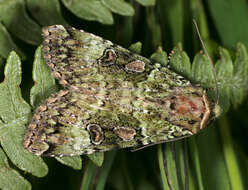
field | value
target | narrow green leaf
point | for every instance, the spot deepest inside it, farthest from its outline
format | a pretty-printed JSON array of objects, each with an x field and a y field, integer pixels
[
  {"x": 104, "y": 172},
  {"x": 15, "y": 112},
  {"x": 147, "y": 2},
  {"x": 7, "y": 44},
  {"x": 179, "y": 61},
  {"x": 136, "y": 47},
  {"x": 198, "y": 13},
  {"x": 44, "y": 81},
  {"x": 211, "y": 160},
  {"x": 155, "y": 33},
  {"x": 175, "y": 12},
  {"x": 46, "y": 12},
  {"x": 160, "y": 56},
  {"x": 181, "y": 163},
  {"x": 125, "y": 31},
  {"x": 14, "y": 16},
  {"x": 162, "y": 168},
  {"x": 230, "y": 18},
  {"x": 74, "y": 162},
  {"x": 170, "y": 167},
  {"x": 97, "y": 158},
  {"x": 195, "y": 161},
  {"x": 9, "y": 178},
  {"x": 90, "y": 10},
  {"x": 230, "y": 155},
  {"x": 119, "y": 6},
  {"x": 89, "y": 174}
]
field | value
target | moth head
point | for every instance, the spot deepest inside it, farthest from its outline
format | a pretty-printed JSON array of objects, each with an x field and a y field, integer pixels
[{"x": 192, "y": 111}]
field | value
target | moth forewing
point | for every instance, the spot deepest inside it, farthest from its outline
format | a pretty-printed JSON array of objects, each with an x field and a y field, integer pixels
[{"x": 113, "y": 98}]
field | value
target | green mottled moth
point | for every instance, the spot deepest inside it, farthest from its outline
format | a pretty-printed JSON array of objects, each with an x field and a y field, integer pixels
[{"x": 112, "y": 98}]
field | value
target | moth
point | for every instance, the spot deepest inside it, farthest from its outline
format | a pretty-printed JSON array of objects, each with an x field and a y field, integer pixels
[{"x": 112, "y": 98}]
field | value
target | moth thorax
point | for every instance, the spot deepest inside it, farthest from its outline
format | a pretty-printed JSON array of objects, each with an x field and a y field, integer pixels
[{"x": 189, "y": 111}]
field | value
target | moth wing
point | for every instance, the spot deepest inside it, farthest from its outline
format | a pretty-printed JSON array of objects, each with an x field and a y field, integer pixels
[
  {"x": 80, "y": 60},
  {"x": 71, "y": 123},
  {"x": 56, "y": 128}
]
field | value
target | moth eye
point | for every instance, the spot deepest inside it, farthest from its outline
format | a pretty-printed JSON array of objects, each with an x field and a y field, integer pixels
[
  {"x": 135, "y": 66},
  {"x": 109, "y": 57},
  {"x": 125, "y": 133},
  {"x": 96, "y": 133}
]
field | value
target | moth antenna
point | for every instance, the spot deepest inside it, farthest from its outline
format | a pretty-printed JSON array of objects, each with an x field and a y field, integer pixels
[{"x": 209, "y": 58}]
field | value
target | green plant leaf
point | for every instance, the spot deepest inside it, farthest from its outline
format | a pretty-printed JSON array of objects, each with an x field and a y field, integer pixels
[
  {"x": 232, "y": 82},
  {"x": 224, "y": 72},
  {"x": 156, "y": 34},
  {"x": 46, "y": 12},
  {"x": 104, "y": 172},
  {"x": 230, "y": 155},
  {"x": 230, "y": 19},
  {"x": 7, "y": 44},
  {"x": 196, "y": 164},
  {"x": 240, "y": 74},
  {"x": 90, "y": 10},
  {"x": 97, "y": 158},
  {"x": 179, "y": 61},
  {"x": 89, "y": 175},
  {"x": 74, "y": 162},
  {"x": 136, "y": 47},
  {"x": 232, "y": 77},
  {"x": 202, "y": 71},
  {"x": 175, "y": 12},
  {"x": 17, "y": 21},
  {"x": 173, "y": 166},
  {"x": 14, "y": 114},
  {"x": 160, "y": 56},
  {"x": 9, "y": 178},
  {"x": 147, "y": 2},
  {"x": 211, "y": 160},
  {"x": 119, "y": 6},
  {"x": 44, "y": 86},
  {"x": 44, "y": 81}
]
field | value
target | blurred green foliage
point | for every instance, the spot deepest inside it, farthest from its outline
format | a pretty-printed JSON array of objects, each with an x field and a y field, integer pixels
[{"x": 214, "y": 159}]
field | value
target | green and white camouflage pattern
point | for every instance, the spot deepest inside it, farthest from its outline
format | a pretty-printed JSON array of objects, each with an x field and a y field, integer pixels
[{"x": 112, "y": 98}]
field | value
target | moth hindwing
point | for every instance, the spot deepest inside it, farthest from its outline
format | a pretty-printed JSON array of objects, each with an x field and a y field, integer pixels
[{"x": 112, "y": 98}]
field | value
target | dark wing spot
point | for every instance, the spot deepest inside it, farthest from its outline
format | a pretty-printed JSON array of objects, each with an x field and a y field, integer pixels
[
  {"x": 135, "y": 66},
  {"x": 96, "y": 133},
  {"x": 125, "y": 133},
  {"x": 109, "y": 57}
]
